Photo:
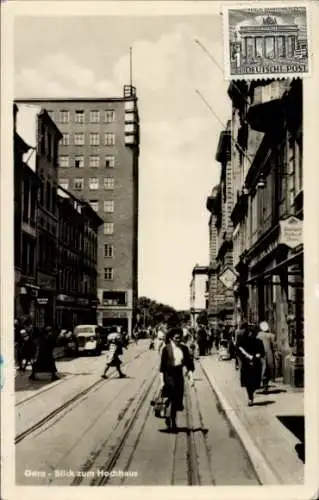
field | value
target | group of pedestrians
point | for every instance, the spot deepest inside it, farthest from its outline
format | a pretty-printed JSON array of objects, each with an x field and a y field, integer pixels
[
  {"x": 35, "y": 346},
  {"x": 255, "y": 357}
]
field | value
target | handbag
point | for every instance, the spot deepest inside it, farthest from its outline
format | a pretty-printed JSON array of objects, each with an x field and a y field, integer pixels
[{"x": 161, "y": 406}]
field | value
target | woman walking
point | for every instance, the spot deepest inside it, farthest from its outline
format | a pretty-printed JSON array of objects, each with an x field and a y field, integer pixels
[
  {"x": 174, "y": 357},
  {"x": 268, "y": 363},
  {"x": 115, "y": 350},
  {"x": 251, "y": 351}
]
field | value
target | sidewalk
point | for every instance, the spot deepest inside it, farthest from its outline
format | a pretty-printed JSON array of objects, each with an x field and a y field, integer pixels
[{"x": 271, "y": 430}]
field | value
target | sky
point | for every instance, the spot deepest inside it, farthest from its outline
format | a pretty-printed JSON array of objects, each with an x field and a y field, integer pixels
[{"x": 89, "y": 57}]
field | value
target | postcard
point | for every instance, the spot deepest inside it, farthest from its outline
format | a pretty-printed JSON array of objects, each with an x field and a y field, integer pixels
[{"x": 159, "y": 250}]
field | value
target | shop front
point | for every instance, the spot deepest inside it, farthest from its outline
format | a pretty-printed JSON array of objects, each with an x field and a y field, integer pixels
[
  {"x": 119, "y": 318},
  {"x": 72, "y": 311},
  {"x": 26, "y": 293},
  {"x": 275, "y": 281}
]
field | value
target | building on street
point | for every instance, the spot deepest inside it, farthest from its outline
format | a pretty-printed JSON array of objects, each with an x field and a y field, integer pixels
[
  {"x": 39, "y": 199},
  {"x": 77, "y": 300},
  {"x": 267, "y": 213},
  {"x": 98, "y": 162},
  {"x": 26, "y": 185}
]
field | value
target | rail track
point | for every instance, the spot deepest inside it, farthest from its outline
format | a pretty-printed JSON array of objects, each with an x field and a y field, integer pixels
[
  {"x": 66, "y": 405},
  {"x": 120, "y": 449}
]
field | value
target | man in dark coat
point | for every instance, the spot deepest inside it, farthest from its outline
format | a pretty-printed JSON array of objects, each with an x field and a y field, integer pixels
[{"x": 44, "y": 359}]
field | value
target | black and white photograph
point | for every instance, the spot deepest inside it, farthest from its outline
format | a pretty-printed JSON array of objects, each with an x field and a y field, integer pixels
[{"x": 157, "y": 244}]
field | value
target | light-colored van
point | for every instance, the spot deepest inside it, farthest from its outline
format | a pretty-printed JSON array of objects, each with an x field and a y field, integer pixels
[{"x": 88, "y": 339}]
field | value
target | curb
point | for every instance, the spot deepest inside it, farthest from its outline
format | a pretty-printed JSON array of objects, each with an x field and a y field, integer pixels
[{"x": 264, "y": 472}]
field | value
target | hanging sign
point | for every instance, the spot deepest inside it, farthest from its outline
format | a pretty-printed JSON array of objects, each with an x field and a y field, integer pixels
[
  {"x": 291, "y": 232},
  {"x": 228, "y": 278}
]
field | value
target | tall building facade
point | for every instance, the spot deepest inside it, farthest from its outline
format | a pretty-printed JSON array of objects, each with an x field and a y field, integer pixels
[{"x": 98, "y": 162}]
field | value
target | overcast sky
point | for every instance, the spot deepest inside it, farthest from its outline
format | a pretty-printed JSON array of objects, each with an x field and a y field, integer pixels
[{"x": 89, "y": 56}]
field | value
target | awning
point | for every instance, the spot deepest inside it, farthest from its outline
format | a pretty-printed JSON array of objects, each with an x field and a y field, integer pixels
[{"x": 274, "y": 270}]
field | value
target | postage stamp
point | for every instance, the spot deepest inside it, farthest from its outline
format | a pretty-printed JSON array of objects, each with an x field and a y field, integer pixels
[{"x": 266, "y": 41}]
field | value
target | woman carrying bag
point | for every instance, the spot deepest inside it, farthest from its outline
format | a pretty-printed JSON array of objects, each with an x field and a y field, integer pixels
[{"x": 174, "y": 357}]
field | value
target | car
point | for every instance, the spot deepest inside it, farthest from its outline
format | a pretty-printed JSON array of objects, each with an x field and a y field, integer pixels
[{"x": 88, "y": 339}]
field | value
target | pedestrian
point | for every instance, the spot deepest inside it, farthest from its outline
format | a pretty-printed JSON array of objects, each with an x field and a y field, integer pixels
[
  {"x": 115, "y": 350},
  {"x": 174, "y": 357},
  {"x": 45, "y": 361},
  {"x": 251, "y": 351},
  {"x": 28, "y": 348},
  {"x": 239, "y": 331},
  {"x": 268, "y": 363},
  {"x": 202, "y": 340},
  {"x": 161, "y": 339}
]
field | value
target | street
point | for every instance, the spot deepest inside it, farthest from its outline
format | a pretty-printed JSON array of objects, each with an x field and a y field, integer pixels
[{"x": 84, "y": 430}]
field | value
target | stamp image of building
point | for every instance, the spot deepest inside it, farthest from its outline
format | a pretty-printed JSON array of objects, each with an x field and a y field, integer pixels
[{"x": 268, "y": 44}]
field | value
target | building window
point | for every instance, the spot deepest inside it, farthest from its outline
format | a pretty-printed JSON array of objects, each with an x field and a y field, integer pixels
[
  {"x": 109, "y": 162},
  {"x": 94, "y": 161},
  {"x": 66, "y": 140},
  {"x": 64, "y": 183},
  {"x": 109, "y": 183},
  {"x": 94, "y": 116},
  {"x": 108, "y": 250},
  {"x": 64, "y": 116},
  {"x": 79, "y": 139},
  {"x": 109, "y": 139},
  {"x": 109, "y": 116},
  {"x": 108, "y": 228},
  {"x": 108, "y": 273},
  {"x": 64, "y": 161},
  {"x": 94, "y": 183},
  {"x": 94, "y": 139},
  {"x": 79, "y": 161},
  {"x": 79, "y": 116},
  {"x": 94, "y": 204},
  {"x": 109, "y": 206},
  {"x": 78, "y": 183}
]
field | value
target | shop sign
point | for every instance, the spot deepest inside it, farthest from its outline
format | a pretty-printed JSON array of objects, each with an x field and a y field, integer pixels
[
  {"x": 43, "y": 301},
  {"x": 291, "y": 232},
  {"x": 267, "y": 251},
  {"x": 228, "y": 278},
  {"x": 83, "y": 302},
  {"x": 115, "y": 314},
  {"x": 47, "y": 283},
  {"x": 65, "y": 298}
]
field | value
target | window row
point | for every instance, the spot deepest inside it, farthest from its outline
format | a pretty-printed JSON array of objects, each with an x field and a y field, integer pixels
[
  {"x": 80, "y": 116},
  {"x": 108, "y": 273},
  {"x": 108, "y": 205},
  {"x": 94, "y": 161},
  {"x": 94, "y": 139},
  {"x": 93, "y": 184}
]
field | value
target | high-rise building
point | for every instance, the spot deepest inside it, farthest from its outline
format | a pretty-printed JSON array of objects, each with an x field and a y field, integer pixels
[{"x": 98, "y": 162}]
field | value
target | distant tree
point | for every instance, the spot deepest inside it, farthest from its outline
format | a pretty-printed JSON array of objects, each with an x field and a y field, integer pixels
[{"x": 151, "y": 313}]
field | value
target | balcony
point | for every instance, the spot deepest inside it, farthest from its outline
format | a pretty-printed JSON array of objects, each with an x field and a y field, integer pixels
[
  {"x": 223, "y": 153},
  {"x": 226, "y": 244},
  {"x": 240, "y": 208}
]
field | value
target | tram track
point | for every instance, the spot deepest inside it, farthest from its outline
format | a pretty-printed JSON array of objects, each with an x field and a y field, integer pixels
[
  {"x": 116, "y": 443},
  {"x": 67, "y": 405}
]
